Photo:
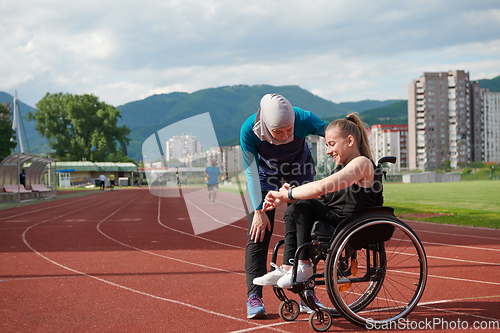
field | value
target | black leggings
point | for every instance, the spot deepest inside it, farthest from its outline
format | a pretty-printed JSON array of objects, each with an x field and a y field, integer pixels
[
  {"x": 256, "y": 253},
  {"x": 299, "y": 220}
]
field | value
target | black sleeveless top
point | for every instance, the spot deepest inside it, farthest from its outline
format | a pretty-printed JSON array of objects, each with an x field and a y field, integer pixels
[{"x": 352, "y": 199}]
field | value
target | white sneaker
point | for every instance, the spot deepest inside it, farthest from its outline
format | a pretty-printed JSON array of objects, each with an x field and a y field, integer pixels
[
  {"x": 304, "y": 272},
  {"x": 270, "y": 278}
]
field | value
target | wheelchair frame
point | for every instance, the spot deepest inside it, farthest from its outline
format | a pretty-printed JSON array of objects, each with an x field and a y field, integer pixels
[{"x": 370, "y": 243}]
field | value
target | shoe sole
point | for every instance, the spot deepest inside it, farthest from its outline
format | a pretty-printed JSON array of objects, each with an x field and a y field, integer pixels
[
  {"x": 264, "y": 283},
  {"x": 258, "y": 315}
]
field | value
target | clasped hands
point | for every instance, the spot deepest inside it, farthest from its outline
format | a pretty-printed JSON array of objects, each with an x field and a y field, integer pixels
[{"x": 274, "y": 199}]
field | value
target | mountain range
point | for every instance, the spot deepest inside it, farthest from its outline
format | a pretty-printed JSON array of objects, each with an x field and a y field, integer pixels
[{"x": 229, "y": 107}]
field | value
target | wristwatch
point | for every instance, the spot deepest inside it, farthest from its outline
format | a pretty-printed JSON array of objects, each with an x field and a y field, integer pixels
[{"x": 290, "y": 196}]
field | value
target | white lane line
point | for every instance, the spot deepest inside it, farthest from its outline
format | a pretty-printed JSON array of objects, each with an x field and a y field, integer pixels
[
  {"x": 42, "y": 209},
  {"x": 267, "y": 326},
  {"x": 425, "y": 305},
  {"x": 163, "y": 256},
  {"x": 38, "y": 278},
  {"x": 446, "y": 277},
  {"x": 462, "y": 246},
  {"x": 458, "y": 235},
  {"x": 239, "y": 208},
  {"x": 462, "y": 260},
  {"x": 18, "y": 221},
  {"x": 451, "y": 259},
  {"x": 450, "y": 225},
  {"x": 460, "y": 279},
  {"x": 225, "y": 203},
  {"x": 213, "y": 218}
]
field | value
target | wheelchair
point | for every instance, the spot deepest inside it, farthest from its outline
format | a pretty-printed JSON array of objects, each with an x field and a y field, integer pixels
[{"x": 371, "y": 269}]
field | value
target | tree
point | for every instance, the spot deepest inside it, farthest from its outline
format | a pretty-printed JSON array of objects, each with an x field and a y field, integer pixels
[
  {"x": 6, "y": 133},
  {"x": 80, "y": 126}
]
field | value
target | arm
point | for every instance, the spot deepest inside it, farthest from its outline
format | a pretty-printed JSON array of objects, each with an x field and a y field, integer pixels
[
  {"x": 308, "y": 123},
  {"x": 360, "y": 170},
  {"x": 249, "y": 142}
]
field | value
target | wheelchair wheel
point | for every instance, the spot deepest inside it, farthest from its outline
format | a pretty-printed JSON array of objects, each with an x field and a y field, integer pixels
[
  {"x": 289, "y": 310},
  {"x": 386, "y": 279},
  {"x": 320, "y": 321}
]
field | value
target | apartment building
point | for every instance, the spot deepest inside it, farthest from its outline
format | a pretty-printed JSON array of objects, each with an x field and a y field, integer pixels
[
  {"x": 183, "y": 146},
  {"x": 444, "y": 114},
  {"x": 491, "y": 125},
  {"x": 390, "y": 140}
]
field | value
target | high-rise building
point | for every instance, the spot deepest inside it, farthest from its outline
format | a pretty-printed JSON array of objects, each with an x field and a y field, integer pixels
[
  {"x": 389, "y": 140},
  {"x": 180, "y": 146},
  {"x": 491, "y": 125},
  {"x": 442, "y": 111}
]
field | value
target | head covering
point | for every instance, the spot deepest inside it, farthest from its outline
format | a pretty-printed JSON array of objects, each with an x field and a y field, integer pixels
[{"x": 275, "y": 112}]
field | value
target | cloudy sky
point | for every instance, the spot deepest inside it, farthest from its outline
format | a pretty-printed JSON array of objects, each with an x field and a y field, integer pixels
[{"x": 123, "y": 51}]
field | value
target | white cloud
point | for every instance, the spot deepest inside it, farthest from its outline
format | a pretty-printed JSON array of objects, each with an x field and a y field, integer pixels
[{"x": 342, "y": 51}]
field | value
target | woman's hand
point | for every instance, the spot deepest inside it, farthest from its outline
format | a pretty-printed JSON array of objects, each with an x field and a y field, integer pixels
[
  {"x": 276, "y": 198},
  {"x": 260, "y": 223}
]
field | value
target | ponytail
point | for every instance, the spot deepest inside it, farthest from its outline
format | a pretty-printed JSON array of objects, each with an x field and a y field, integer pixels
[{"x": 352, "y": 125}]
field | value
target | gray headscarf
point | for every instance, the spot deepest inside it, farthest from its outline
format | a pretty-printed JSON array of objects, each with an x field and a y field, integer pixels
[{"x": 275, "y": 112}]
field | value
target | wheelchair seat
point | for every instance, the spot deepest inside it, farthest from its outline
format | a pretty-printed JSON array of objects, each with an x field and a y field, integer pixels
[{"x": 324, "y": 231}]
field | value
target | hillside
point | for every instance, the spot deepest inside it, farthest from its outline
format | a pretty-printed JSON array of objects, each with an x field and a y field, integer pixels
[
  {"x": 367, "y": 104},
  {"x": 395, "y": 113},
  {"x": 493, "y": 84},
  {"x": 37, "y": 144},
  {"x": 228, "y": 106}
]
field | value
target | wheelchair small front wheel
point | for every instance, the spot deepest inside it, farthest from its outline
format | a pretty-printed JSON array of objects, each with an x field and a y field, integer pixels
[
  {"x": 289, "y": 310},
  {"x": 320, "y": 321}
]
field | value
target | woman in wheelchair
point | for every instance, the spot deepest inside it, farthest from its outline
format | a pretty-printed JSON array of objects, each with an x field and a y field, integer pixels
[
  {"x": 375, "y": 266},
  {"x": 347, "y": 190}
]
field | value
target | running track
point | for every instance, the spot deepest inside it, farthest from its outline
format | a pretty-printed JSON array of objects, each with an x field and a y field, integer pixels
[{"x": 128, "y": 261}]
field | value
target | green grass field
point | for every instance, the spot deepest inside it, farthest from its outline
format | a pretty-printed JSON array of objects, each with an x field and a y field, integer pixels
[{"x": 472, "y": 203}]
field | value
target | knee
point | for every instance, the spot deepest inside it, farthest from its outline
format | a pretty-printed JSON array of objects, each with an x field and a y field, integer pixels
[{"x": 303, "y": 204}]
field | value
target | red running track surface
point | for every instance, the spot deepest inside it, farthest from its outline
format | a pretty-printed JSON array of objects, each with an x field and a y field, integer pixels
[{"x": 128, "y": 261}]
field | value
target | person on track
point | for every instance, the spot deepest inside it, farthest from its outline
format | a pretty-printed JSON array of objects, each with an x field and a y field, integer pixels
[
  {"x": 349, "y": 189},
  {"x": 102, "y": 180},
  {"x": 274, "y": 152},
  {"x": 212, "y": 175}
]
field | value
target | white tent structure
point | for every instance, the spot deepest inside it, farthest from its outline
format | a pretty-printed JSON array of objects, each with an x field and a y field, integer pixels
[{"x": 39, "y": 170}]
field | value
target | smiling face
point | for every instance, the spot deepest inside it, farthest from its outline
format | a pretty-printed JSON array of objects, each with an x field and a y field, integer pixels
[
  {"x": 281, "y": 134},
  {"x": 340, "y": 147}
]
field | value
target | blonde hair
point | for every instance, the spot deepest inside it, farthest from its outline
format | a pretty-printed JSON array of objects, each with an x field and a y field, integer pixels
[{"x": 352, "y": 125}]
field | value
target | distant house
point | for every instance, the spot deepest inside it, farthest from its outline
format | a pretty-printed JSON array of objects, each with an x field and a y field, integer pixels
[{"x": 87, "y": 171}]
